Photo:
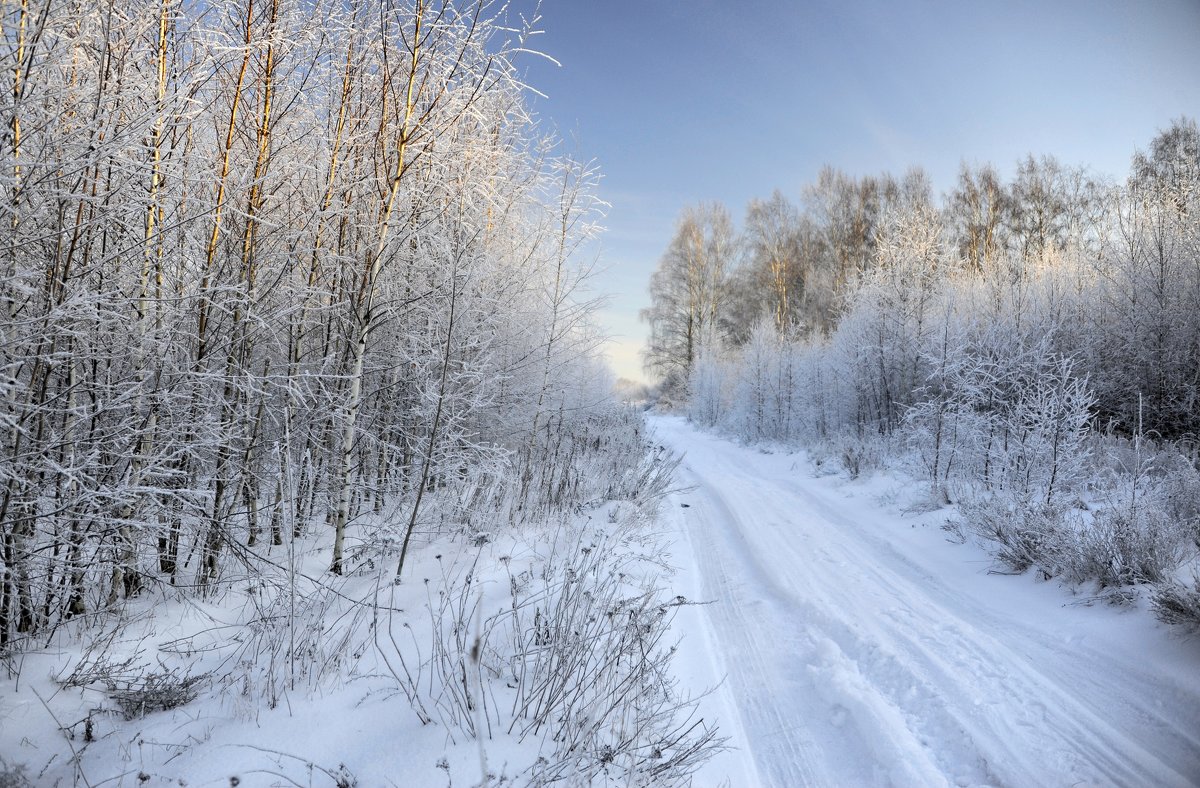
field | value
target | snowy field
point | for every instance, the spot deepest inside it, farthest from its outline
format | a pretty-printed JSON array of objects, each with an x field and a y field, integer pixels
[{"x": 861, "y": 647}]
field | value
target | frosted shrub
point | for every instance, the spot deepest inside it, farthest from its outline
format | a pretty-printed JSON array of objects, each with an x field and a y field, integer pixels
[
  {"x": 1149, "y": 515},
  {"x": 1178, "y": 604},
  {"x": 1116, "y": 546},
  {"x": 859, "y": 454},
  {"x": 1124, "y": 546},
  {"x": 308, "y": 639},
  {"x": 1180, "y": 494},
  {"x": 706, "y": 383},
  {"x": 577, "y": 660},
  {"x": 620, "y": 464},
  {"x": 604, "y": 453},
  {"x": 1024, "y": 536},
  {"x": 1043, "y": 452},
  {"x": 648, "y": 479},
  {"x": 592, "y": 669}
]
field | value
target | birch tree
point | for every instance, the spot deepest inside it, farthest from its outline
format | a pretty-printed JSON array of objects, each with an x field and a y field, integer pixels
[{"x": 687, "y": 292}]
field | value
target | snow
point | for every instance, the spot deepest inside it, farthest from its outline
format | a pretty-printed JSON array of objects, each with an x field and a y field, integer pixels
[
  {"x": 356, "y": 713},
  {"x": 841, "y": 639},
  {"x": 861, "y": 647}
]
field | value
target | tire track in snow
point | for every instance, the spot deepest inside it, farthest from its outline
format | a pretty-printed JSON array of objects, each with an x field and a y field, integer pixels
[
  {"x": 855, "y": 665},
  {"x": 1074, "y": 706},
  {"x": 784, "y": 753},
  {"x": 836, "y": 725}
]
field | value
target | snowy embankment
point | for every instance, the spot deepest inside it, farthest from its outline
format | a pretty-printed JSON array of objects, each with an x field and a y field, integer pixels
[
  {"x": 538, "y": 654},
  {"x": 863, "y": 648}
]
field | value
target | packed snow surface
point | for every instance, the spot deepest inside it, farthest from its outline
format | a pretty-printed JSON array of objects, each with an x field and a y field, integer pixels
[{"x": 860, "y": 647}]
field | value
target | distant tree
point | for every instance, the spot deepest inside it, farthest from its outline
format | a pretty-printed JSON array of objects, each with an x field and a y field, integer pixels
[
  {"x": 1038, "y": 207},
  {"x": 849, "y": 209},
  {"x": 687, "y": 292},
  {"x": 772, "y": 238},
  {"x": 1170, "y": 172},
  {"x": 847, "y": 213},
  {"x": 975, "y": 212},
  {"x": 747, "y": 299}
]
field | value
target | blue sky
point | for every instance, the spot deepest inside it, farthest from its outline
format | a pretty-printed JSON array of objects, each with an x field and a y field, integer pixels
[{"x": 703, "y": 100}]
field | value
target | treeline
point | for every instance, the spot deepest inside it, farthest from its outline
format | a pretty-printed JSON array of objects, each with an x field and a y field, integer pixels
[
  {"x": 268, "y": 266},
  {"x": 1031, "y": 345},
  {"x": 1127, "y": 251}
]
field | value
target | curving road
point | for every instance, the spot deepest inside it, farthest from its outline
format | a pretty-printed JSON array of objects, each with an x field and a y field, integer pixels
[{"x": 861, "y": 649}]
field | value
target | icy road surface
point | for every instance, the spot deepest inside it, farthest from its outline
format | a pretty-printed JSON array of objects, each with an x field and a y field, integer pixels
[{"x": 859, "y": 647}]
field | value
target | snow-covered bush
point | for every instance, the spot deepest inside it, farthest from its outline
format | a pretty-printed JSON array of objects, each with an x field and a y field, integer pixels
[
  {"x": 1124, "y": 546},
  {"x": 305, "y": 638},
  {"x": 647, "y": 479},
  {"x": 1119, "y": 544},
  {"x": 1023, "y": 536},
  {"x": 709, "y": 382},
  {"x": 859, "y": 454},
  {"x": 1147, "y": 512},
  {"x": 1179, "y": 491},
  {"x": 575, "y": 661},
  {"x": 589, "y": 453},
  {"x": 585, "y": 452},
  {"x": 591, "y": 667},
  {"x": 1042, "y": 452},
  {"x": 1178, "y": 604},
  {"x": 624, "y": 465}
]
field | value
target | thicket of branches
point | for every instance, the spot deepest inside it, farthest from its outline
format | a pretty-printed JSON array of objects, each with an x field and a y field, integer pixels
[
  {"x": 268, "y": 265},
  {"x": 1032, "y": 345}
]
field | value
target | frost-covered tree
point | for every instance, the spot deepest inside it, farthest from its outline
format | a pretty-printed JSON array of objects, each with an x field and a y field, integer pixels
[
  {"x": 975, "y": 213},
  {"x": 1144, "y": 338},
  {"x": 889, "y": 313},
  {"x": 688, "y": 292},
  {"x": 766, "y": 393},
  {"x": 775, "y": 252},
  {"x": 708, "y": 385},
  {"x": 270, "y": 267}
]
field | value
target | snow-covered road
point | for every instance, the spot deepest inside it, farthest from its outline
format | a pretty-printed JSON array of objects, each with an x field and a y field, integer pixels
[{"x": 859, "y": 647}]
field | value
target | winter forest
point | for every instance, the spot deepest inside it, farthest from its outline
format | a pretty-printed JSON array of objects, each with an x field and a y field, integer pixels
[
  {"x": 289, "y": 288},
  {"x": 313, "y": 470}
]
